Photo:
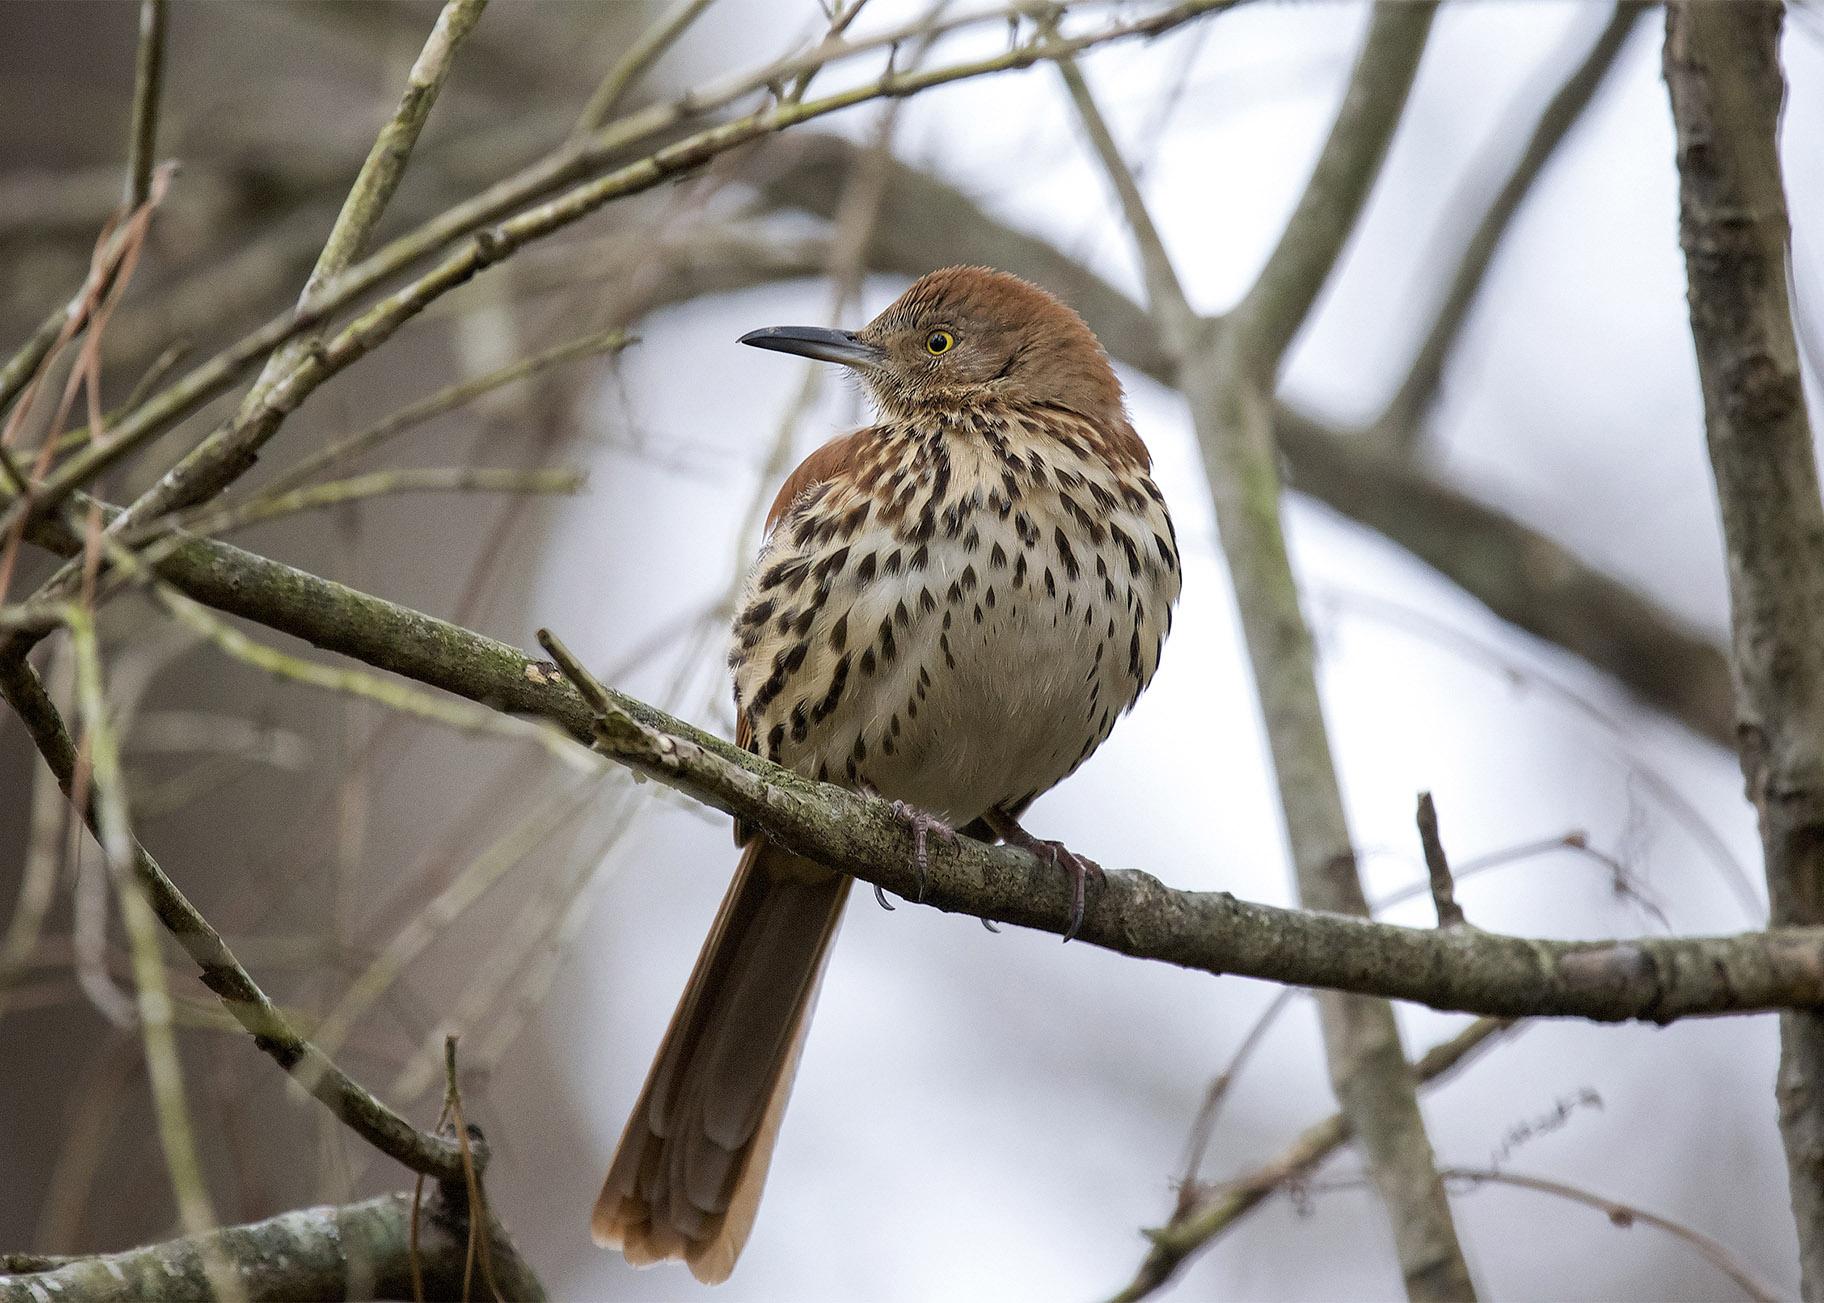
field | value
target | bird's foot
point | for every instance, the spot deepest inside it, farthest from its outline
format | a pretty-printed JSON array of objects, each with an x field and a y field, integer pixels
[
  {"x": 922, "y": 824},
  {"x": 1080, "y": 867}
]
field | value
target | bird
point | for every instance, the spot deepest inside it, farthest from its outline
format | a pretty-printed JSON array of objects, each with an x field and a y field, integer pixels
[{"x": 949, "y": 610}]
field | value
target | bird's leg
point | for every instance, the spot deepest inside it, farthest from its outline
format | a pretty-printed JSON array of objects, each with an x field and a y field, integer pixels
[
  {"x": 923, "y": 824},
  {"x": 1080, "y": 867}
]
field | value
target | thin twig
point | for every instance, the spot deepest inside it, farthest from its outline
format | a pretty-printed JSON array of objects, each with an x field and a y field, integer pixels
[
  {"x": 1165, "y": 294},
  {"x": 148, "y": 83},
  {"x": 396, "y": 696},
  {"x": 1203, "y": 1128},
  {"x": 171, "y": 1108},
  {"x": 1437, "y": 866},
  {"x": 222, "y": 972},
  {"x": 647, "y": 49},
  {"x": 437, "y": 404},
  {"x": 484, "y": 872},
  {"x": 1195, "y": 1226},
  {"x": 1625, "y": 1215},
  {"x": 1402, "y": 422},
  {"x": 358, "y": 488},
  {"x": 361, "y": 212}
]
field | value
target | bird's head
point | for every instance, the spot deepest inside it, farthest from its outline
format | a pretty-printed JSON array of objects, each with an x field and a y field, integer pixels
[{"x": 965, "y": 337}]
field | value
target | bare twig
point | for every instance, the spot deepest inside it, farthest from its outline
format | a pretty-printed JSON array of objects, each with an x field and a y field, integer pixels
[
  {"x": 1203, "y": 1128},
  {"x": 1437, "y": 866},
  {"x": 171, "y": 1108},
  {"x": 38, "y": 878},
  {"x": 1402, "y": 422},
  {"x": 1165, "y": 295},
  {"x": 222, "y": 972},
  {"x": 357, "y": 488},
  {"x": 148, "y": 83},
  {"x": 458, "y": 395},
  {"x": 395, "y": 696},
  {"x": 645, "y": 51},
  {"x": 1197, "y": 1225},
  {"x": 176, "y": 1132},
  {"x": 1625, "y": 1215},
  {"x": 469, "y": 886},
  {"x": 190, "y": 481}
]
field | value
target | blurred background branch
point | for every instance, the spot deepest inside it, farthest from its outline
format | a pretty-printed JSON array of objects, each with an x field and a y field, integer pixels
[{"x": 1722, "y": 67}]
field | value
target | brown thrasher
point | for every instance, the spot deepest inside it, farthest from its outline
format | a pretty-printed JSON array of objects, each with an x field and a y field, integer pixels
[{"x": 950, "y": 609}]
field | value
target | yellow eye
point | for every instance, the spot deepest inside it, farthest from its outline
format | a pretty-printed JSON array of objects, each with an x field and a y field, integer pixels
[{"x": 939, "y": 341}]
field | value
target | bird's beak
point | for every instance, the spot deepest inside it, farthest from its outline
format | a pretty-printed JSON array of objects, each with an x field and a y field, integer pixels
[{"x": 820, "y": 342}]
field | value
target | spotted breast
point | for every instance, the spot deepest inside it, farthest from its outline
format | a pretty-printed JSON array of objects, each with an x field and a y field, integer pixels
[{"x": 958, "y": 613}]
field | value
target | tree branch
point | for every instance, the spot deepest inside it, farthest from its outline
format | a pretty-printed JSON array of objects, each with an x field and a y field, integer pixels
[
  {"x": 230, "y": 449},
  {"x": 1402, "y": 422},
  {"x": 232, "y": 446},
  {"x": 1203, "y": 1220},
  {"x": 1229, "y": 387},
  {"x": 1276, "y": 306},
  {"x": 359, "y": 1250},
  {"x": 1653, "y": 979},
  {"x": 1722, "y": 69},
  {"x": 148, "y": 83}
]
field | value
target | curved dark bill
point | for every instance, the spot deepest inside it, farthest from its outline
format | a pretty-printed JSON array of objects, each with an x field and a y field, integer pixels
[{"x": 820, "y": 342}]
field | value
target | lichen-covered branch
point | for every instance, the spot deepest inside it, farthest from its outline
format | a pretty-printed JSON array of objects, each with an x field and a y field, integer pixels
[
  {"x": 333, "y": 1252},
  {"x": 1722, "y": 68}
]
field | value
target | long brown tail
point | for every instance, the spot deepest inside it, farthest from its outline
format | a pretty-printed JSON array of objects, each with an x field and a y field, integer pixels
[{"x": 686, "y": 1180}]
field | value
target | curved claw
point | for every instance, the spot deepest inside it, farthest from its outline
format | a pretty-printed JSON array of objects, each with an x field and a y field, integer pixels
[
  {"x": 881, "y": 896},
  {"x": 1081, "y": 869},
  {"x": 922, "y": 824}
]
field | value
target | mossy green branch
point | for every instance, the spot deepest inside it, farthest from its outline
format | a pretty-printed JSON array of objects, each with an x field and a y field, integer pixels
[{"x": 359, "y": 1250}]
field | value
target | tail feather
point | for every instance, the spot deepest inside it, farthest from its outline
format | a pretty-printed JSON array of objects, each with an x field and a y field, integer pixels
[{"x": 686, "y": 1180}]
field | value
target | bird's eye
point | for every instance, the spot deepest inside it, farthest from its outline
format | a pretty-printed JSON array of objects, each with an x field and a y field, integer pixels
[{"x": 939, "y": 341}]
